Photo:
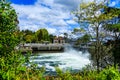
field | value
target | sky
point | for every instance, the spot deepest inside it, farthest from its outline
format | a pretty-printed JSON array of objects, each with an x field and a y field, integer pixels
[
  {"x": 54, "y": 15},
  {"x": 115, "y": 3}
]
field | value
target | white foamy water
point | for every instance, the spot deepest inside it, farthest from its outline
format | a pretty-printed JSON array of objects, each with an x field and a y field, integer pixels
[{"x": 70, "y": 59}]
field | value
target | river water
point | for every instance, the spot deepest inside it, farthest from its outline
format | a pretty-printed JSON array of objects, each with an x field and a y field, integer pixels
[{"x": 70, "y": 59}]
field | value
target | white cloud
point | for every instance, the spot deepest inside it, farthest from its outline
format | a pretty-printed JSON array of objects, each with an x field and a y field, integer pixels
[
  {"x": 115, "y": 3},
  {"x": 30, "y": 27},
  {"x": 69, "y": 4},
  {"x": 71, "y": 22},
  {"x": 52, "y": 30},
  {"x": 59, "y": 23},
  {"x": 112, "y": 4},
  {"x": 51, "y": 15}
]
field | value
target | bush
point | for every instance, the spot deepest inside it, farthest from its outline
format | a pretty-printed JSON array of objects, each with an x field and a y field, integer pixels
[{"x": 109, "y": 73}]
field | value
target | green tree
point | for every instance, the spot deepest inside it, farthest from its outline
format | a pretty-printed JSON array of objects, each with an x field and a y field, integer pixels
[
  {"x": 27, "y": 32},
  {"x": 8, "y": 28},
  {"x": 85, "y": 38},
  {"x": 93, "y": 14},
  {"x": 51, "y": 38},
  {"x": 42, "y": 35},
  {"x": 113, "y": 28},
  {"x": 28, "y": 36},
  {"x": 78, "y": 30},
  {"x": 115, "y": 33},
  {"x": 66, "y": 37}
]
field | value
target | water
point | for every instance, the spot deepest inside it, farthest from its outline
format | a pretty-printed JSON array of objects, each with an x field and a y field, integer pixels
[{"x": 70, "y": 59}]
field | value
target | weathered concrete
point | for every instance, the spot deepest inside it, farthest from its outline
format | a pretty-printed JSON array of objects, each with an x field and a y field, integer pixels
[{"x": 44, "y": 47}]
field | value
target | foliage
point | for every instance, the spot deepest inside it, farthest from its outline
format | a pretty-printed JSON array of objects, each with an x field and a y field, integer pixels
[
  {"x": 12, "y": 63},
  {"x": 8, "y": 28},
  {"x": 77, "y": 30},
  {"x": 115, "y": 50},
  {"x": 34, "y": 37},
  {"x": 113, "y": 27},
  {"x": 51, "y": 38},
  {"x": 42, "y": 35},
  {"x": 84, "y": 39},
  {"x": 95, "y": 14},
  {"x": 27, "y": 32},
  {"x": 66, "y": 37},
  {"x": 28, "y": 36},
  {"x": 109, "y": 74},
  {"x": 13, "y": 68}
]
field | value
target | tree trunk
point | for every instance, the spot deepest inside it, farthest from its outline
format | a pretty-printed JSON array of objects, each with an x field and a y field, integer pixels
[{"x": 97, "y": 48}]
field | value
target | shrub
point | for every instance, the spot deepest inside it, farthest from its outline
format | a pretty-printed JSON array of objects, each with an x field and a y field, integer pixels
[{"x": 110, "y": 73}]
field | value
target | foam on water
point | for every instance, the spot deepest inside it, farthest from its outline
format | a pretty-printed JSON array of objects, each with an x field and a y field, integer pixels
[{"x": 69, "y": 59}]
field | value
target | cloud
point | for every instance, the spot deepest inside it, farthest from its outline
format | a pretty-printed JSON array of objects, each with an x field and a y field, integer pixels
[
  {"x": 112, "y": 4},
  {"x": 52, "y": 30},
  {"x": 71, "y": 22},
  {"x": 69, "y": 4},
  {"x": 54, "y": 15},
  {"x": 59, "y": 23}
]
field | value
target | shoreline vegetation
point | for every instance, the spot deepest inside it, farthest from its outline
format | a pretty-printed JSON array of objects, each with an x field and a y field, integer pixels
[
  {"x": 16, "y": 71},
  {"x": 105, "y": 58}
]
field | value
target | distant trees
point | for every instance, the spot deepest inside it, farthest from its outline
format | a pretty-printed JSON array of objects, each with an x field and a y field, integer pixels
[
  {"x": 28, "y": 36},
  {"x": 38, "y": 36},
  {"x": 52, "y": 37},
  {"x": 78, "y": 30},
  {"x": 66, "y": 37},
  {"x": 42, "y": 35},
  {"x": 84, "y": 39}
]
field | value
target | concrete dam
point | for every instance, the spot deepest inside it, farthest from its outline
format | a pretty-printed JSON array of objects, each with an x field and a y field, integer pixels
[{"x": 42, "y": 47}]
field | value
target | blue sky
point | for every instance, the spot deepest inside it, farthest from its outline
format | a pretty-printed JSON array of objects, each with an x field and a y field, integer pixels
[
  {"x": 25, "y": 2},
  {"x": 115, "y": 3},
  {"x": 54, "y": 15}
]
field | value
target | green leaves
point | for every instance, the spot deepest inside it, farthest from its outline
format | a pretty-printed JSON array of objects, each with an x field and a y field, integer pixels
[
  {"x": 42, "y": 35},
  {"x": 8, "y": 26},
  {"x": 113, "y": 27},
  {"x": 109, "y": 74}
]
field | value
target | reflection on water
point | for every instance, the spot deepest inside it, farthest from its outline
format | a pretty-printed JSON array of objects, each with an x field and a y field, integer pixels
[{"x": 70, "y": 59}]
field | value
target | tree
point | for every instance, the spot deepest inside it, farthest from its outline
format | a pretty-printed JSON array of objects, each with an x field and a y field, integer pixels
[
  {"x": 27, "y": 32},
  {"x": 28, "y": 36},
  {"x": 66, "y": 37},
  {"x": 85, "y": 38},
  {"x": 8, "y": 28},
  {"x": 52, "y": 37},
  {"x": 94, "y": 14},
  {"x": 42, "y": 35},
  {"x": 78, "y": 30},
  {"x": 113, "y": 28}
]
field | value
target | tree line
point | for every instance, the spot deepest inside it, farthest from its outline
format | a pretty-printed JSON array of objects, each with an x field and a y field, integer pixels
[{"x": 41, "y": 35}]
